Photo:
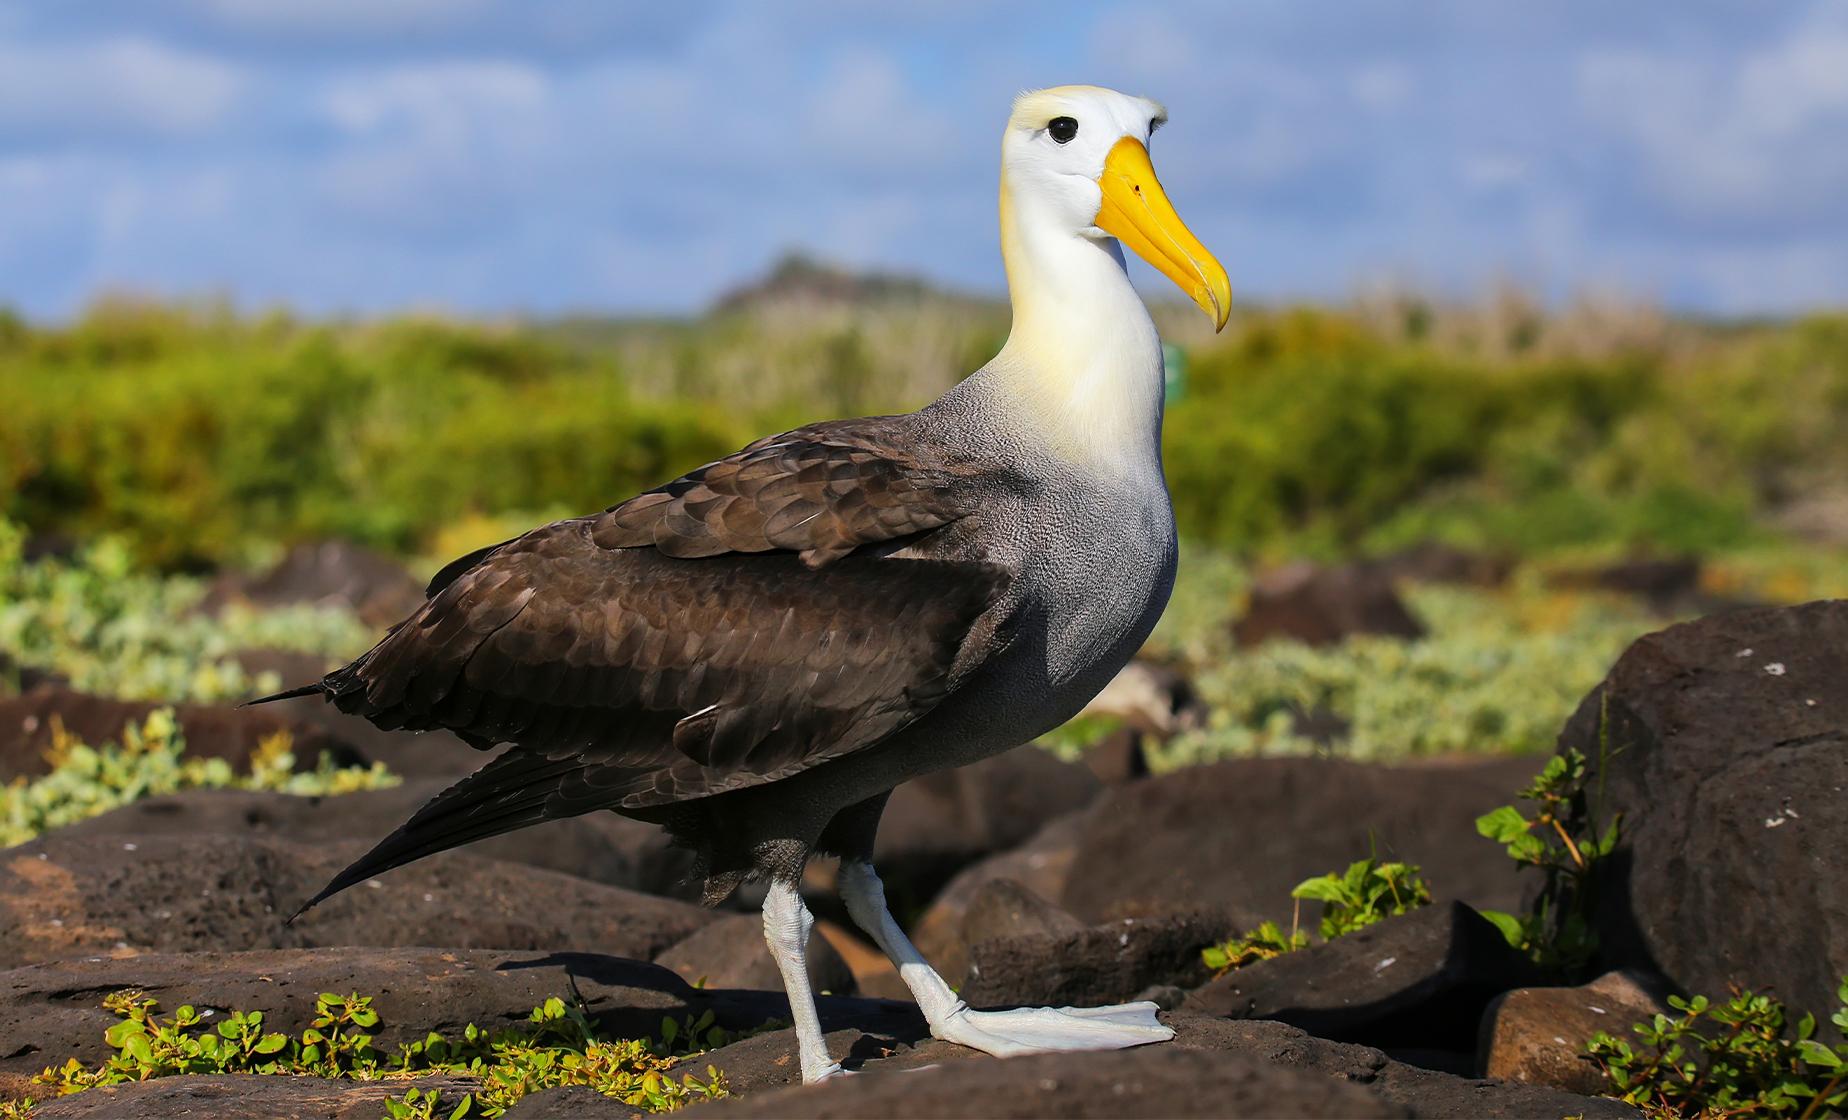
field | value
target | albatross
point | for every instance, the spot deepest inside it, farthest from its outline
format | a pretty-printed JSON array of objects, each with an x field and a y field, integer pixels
[{"x": 754, "y": 654}]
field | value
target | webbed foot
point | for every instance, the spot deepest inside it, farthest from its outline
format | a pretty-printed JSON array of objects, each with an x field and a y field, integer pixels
[{"x": 1041, "y": 1030}]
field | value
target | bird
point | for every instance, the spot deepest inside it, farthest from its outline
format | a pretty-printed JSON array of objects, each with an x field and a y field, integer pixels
[{"x": 755, "y": 654}]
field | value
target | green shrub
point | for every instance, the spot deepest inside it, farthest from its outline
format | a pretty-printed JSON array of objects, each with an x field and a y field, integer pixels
[
  {"x": 1498, "y": 671},
  {"x": 151, "y": 761},
  {"x": 119, "y": 631},
  {"x": 195, "y": 433},
  {"x": 1738, "y": 1058}
]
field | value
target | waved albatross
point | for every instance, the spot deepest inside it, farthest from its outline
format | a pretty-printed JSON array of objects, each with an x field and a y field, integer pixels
[{"x": 755, "y": 654}]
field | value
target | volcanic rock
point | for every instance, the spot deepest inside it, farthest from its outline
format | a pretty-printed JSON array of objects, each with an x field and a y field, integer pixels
[
  {"x": 243, "y": 1097},
  {"x": 937, "y": 824},
  {"x": 63, "y": 896},
  {"x": 1320, "y": 606},
  {"x": 326, "y": 573},
  {"x": 601, "y": 847},
  {"x": 1538, "y": 1035},
  {"x": 1158, "y": 1081},
  {"x": 1005, "y": 908},
  {"x": 1040, "y": 865},
  {"x": 1109, "y": 963},
  {"x": 1415, "y": 982},
  {"x": 730, "y": 952},
  {"x": 1725, "y": 748},
  {"x": 1237, "y": 836},
  {"x": 758, "y": 1065},
  {"x": 1431, "y": 562}
]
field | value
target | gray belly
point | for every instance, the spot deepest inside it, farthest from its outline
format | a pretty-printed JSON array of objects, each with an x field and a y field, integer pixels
[{"x": 1092, "y": 585}]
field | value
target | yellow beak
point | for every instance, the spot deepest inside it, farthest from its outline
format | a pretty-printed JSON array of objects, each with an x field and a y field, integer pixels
[{"x": 1136, "y": 212}]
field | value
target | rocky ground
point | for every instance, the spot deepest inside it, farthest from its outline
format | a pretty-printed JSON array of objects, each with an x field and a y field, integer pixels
[{"x": 1026, "y": 880}]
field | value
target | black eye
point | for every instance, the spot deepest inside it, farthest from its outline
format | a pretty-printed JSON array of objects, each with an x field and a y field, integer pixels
[{"x": 1062, "y": 129}]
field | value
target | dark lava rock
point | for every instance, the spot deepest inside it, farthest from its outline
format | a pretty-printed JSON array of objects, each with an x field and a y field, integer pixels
[
  {"x": 326, "y": 573},
  {"x": 51, "y": 1012},
  {"x": 1040, "y": 865},
  {"x": 1538, "y": 1035},
  {"x": 1320, "y": 606},
  {"x": 212, "y": 731},
  {"x": 1729, "y": 763},
  {"x": 937, "y": 824},
  {"x": 601, "y": 847},
  {"x": 65, "y": 896},
  {"x": 1006, "y": 908},
  {"x": 1664, "y": 583},
  {"x": 1117, "y": 757},
  {"x": 243, "y": 1097},
  {"x": 1431, "y": 562},
  {"x": 1109, "y": 963},
  {"x": 730, "y": 952},
  {"x": 1155, "y": 1081},
  {"x": 1418, "y": 981},
  {"x": 1237, "y": 836},
  {"x": 759, "y": 1064}
]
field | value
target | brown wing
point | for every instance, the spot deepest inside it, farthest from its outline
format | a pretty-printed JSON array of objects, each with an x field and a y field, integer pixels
[
  {"x": 676, "y": 679},
  {"x": 718, "y": 633}
]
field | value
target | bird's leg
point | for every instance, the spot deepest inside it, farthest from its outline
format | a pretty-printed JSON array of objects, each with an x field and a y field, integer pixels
[
  {"x": 1026, "y": 1030},
  {"x": 787, "y": 923}
]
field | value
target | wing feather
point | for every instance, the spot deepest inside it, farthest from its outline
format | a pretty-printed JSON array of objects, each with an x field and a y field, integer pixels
[{"x": 726, "y": 630}]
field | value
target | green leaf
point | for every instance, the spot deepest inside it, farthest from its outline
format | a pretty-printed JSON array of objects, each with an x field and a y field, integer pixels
[
  {"x": 117, "y": 1035},
  {"x": 271, "y": 1043},
  {"x": 1816, "y": 1054},
  {"x": 1323, "y": 889},
  {"x": 1502, "y": 825},
  {"x": 1512, "y": 928},
  {"x": 1527, "y": 848},
  {"x": 138, "y": 1048}
]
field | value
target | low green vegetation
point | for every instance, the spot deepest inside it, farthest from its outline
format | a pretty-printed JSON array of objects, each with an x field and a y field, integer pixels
[
  {"x": 1566, "y": 835},
  {"x": 557, "y": 1045},
  {"x": 1498, "y": 671},
  {"x": 1368, "y": 892},
  {"x": 1743, "y": 1057},
  {"x": 151, "y": 760},
  {"x": 115, "y": 628}
]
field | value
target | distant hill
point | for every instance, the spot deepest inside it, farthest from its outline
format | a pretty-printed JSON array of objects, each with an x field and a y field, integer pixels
[{"x": 798, "y": 279}]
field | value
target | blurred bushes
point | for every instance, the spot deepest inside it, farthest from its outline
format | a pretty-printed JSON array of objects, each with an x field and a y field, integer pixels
[{"x": 196, "y": 433}]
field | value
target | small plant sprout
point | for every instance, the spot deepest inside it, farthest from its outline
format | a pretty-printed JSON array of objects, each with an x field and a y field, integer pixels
[
  {"x": 1367, "y": 892},
  {"x": 1567, "y": 837}
]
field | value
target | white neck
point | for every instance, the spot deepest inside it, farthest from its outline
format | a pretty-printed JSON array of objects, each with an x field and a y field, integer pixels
[{"x": 1082, "y": 365}]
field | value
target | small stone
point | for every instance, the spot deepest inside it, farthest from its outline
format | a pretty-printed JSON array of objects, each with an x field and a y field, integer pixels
[{"x": 1538, "y": 1035}]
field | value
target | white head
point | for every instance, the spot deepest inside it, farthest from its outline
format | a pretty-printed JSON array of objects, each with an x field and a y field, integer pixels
[{"x": 1075, "y": 164}]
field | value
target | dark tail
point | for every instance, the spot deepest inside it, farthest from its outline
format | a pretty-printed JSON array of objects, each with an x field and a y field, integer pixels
[
  {"x": 517, "y": 789},
  {"x": 318, "y": 688}
]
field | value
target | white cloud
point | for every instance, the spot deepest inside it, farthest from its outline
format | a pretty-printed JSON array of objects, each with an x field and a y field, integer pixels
[
  {"x": 114, "y": 86},
  {"x": 1750, "y": 137}
]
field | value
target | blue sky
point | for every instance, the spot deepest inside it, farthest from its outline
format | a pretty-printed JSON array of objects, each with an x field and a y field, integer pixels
[{"x": 596, "y": 155}]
